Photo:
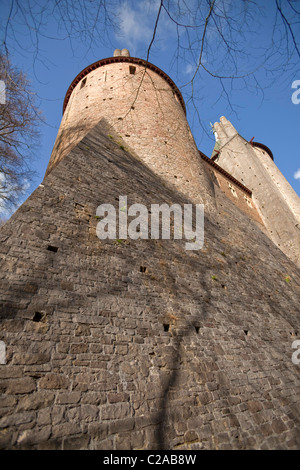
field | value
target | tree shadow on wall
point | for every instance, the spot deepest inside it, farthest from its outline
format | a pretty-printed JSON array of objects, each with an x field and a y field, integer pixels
[{"x": 161, "y": 441}]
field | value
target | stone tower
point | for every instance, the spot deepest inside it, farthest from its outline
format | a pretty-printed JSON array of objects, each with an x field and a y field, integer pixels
[
  {"x": 123, "y": 344},
  {"x": 277, "y": 202},
  {"x": 147, "y": 113}
]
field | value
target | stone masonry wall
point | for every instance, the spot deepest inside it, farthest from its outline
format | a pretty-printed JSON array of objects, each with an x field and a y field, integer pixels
[
  {"x": 140, "y": 344},
  {"x": 239, "y": 158},
  {"x": 281, "y": 183},
  {"x": 242, "y": 199}
]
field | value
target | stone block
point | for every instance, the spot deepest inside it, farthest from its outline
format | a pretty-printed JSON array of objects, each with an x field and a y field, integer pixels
[
  {"x": 63, "y": 398},
  {"x": 35, "y": 401},
  {"x": 78, "y": 348},
  {"x": 54, "y": 381},
  {"x": 30, "y": 438},
  {"x": 20, "y": 385},
  {"x": 115, "y": 411}
]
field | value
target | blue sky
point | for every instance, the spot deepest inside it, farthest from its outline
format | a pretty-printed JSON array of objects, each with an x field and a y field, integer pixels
[{"x": 270, "y": 117}]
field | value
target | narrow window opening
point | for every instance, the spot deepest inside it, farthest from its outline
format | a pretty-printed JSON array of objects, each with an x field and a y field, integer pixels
[
  {"x": 83, "y": 83},
  {"x": 143, "y": 269},
  {"x": 132, "y": 69},
  {"x": 166, "y": 327},
  {"x": 246, "y": 332},
  {"x": 52, "y": 248},
  {"x": 197, "y": 328}
]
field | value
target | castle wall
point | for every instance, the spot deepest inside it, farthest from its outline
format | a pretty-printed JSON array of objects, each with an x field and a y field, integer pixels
[
  {"x": 236, "y": 193},
  {"x": 147, "y": 117},
  {"x": 140, "y": 344},
  {"x": 239, "y": 158}
]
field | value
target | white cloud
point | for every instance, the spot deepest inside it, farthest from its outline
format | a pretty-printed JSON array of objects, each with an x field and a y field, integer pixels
[
  {"x": 133, "y": 26},
  {"x": 297, "y": 174},
  {"x": 136, "y": 24},
  {"x": 189, "y": 69}
]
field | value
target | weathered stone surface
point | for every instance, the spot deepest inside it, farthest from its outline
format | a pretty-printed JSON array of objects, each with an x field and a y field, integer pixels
[
  {"x": 78, "y": 348},
  {"x": 20, "y": 385},
  {"x": 35, "y": 401},
  {"x": 16, "y": 419},
  {"x": 76, "y": 443},
  {"x": 68, "y": 397},
  {"x": 65, "y": 429},
  {"x": 28, "y": 438},
  {"x": 33, "y": 358},
  {"x": 54, "y": 381}
]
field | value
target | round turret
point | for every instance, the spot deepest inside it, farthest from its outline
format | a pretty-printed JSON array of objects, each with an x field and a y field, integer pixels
[
  {"x": 145, "y": 108},
  {"x": 264, "y": 148}
]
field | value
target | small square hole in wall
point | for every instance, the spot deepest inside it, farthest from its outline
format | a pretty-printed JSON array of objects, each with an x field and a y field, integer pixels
[
  {"x": 197, "y": 328},
  {"x": 166, "y": 327},
  {"x": 143, "y": 269},
  {"x": 132, "y": 69},
  {"x": 38, "y": 316},
  {"x": 52, "y": 248}
]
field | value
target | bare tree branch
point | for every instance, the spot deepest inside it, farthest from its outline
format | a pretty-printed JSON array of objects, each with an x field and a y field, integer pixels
[
  {"x": 19, "y": 119},
  {"x": 288, "y": 26}
]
